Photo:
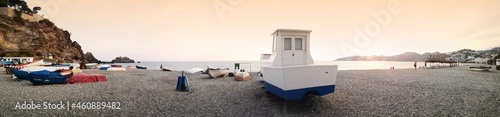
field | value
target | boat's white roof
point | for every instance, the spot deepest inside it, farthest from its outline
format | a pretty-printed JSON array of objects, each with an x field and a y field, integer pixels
[{"x": 290, "y": 30}]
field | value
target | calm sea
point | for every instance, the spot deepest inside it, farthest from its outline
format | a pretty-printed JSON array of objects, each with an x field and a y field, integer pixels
[{"x": 254, "y": 66}]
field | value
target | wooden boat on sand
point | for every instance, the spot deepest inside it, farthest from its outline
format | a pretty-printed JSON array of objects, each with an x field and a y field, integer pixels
[
  {"x": 242, "y": 76},
  {"x": 480, "y": 68},
  {"x": 165, "y": 69},
  {"x": 217, "y": 72},
  {"x": 140, "y": 67},
  {"x": 44, "y": 76},
  {"x": 116, "y": 69}
]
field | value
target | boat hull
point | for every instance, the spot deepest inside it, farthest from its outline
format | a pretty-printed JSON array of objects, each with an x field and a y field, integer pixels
[
  {"x": 140, "y": 67},
  {"x": 41, "y": 77},
  {"x": 242, "y": 76},
  {"x": 293, "y": 82},
  {"x": 298, "y": 94},
  {"x": 116, "y": 69},
  {"x": 480, "y": 69},
  {"x": 166, "y": 69},
  {"x": 216, "y": 73},
  {"x": 87, "y": 78}
]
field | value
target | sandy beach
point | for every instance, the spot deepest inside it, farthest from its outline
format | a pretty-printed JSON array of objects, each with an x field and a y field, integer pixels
[{"x": 402, "y": 92}]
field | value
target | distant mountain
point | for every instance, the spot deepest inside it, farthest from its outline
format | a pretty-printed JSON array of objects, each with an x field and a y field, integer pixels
[
  {"x": 463, "y": 55},
  {"x": 407, "y": 56}
]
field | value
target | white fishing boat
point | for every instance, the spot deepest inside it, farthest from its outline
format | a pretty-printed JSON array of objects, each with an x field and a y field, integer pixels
[
  {"x": 480, "y": 68},
  {"x": 41, "y": 68},
  {"x": 116, "y": 69},
  {"x": 217, "y": 72},
  {"x": 165, "y": 68},
  {"x": 289, "y": 72},
  {"x": 91, "y": 66},
  {"x": 195, "y": 70}
]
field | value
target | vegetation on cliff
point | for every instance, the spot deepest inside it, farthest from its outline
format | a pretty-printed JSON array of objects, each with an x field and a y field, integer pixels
[
  {"x": 3, "y": 3},
  {"x": 20, "y": 37},
  {"x": 20, "y": 5}
]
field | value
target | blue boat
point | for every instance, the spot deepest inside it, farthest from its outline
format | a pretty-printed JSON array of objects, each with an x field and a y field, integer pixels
[
  {"x": 41, "y": 77},
  {"x": 104, "y": 68},
  {"x": 20, "y": 74}
]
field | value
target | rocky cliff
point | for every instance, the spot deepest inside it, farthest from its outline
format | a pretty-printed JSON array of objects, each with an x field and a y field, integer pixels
[
  {"x": 407, "y": 56},
  {"x": 89, "y": 57},
  {"x": 19, "y": 37},
  {"x": 122, "y": 60}
]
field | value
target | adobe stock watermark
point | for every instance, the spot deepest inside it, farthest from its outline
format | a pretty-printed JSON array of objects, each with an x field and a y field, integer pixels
[
  {"x": 50, "y": 8},
  {"x": 372, "y": 29},
  {"x": 223, "y": 6}
]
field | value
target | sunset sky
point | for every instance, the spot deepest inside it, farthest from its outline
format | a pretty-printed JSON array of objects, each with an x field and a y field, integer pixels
[{"x": 231, "y": 30}]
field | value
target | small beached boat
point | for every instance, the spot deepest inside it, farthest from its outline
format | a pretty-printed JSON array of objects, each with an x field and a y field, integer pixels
[
  {"x": 165, "y": 69},
  {"x": 195, "y": 70},
  {"x": 480, "y": 68},
  {"x": 242, "y": 76},
  {"x": 104, "y": 67},
  {"x": 91, "y": 66},
  {"x": 217, "y": 72},
  {"x": 87, "y": 78},
  {"x": 43, "y": 77},
  {"x": 140, "y": 67},
  {"x": 35, "y": 69},
  {"x": 116, "y": 69},
  {"x": 77, "y": 70},
  {"x": 116, "y": 65}
]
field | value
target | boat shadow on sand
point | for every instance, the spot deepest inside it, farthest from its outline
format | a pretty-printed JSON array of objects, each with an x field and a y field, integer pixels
[{"x": 310, "y": 105}]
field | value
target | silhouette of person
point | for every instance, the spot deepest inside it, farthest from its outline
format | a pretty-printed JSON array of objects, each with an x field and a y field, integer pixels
[{"x": 415, "y": 65}]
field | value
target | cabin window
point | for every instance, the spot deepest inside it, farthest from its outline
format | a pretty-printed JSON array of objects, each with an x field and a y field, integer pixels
[
  {"x": 288, "y": 43},
  {"x": 298, "y": 43}
]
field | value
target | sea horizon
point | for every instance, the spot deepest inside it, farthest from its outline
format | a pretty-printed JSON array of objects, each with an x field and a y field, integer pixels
[{"x": 254, "y": 66}]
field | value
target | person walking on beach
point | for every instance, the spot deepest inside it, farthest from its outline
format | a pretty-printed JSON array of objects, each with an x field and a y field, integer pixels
[{"x": 415, "y": 65}]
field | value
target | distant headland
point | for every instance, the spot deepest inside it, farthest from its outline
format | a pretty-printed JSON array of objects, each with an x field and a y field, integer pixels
[
  {"x": 122, "y": 60},
  {"x": 463, "y": 55}
]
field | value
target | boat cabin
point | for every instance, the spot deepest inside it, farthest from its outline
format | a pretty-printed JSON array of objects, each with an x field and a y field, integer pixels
[{"x": 290, "y": 47}]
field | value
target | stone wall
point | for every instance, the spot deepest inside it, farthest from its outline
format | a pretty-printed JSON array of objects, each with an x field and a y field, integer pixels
[{"x": 12, "y": 13}]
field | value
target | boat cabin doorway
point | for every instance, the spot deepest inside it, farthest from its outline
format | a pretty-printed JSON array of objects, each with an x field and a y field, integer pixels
[{"x": 293, "y": 50}]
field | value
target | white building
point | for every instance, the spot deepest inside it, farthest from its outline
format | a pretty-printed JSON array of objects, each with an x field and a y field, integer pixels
[
  {"x": 17, "y": 59},
  {"x": 471, "y": 58},
  {"x": 479, "y": 60}
]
